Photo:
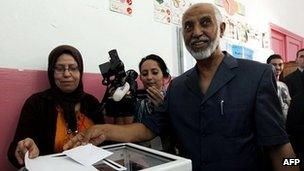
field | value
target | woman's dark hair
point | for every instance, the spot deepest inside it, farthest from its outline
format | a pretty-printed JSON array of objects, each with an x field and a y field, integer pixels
[
  {"x": 274, "y": 56},
  {"x": 161, "y": 63}
]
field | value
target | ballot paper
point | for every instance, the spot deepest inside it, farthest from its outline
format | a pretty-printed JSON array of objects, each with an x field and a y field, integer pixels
[
  {"x": 80, "y": 158},
  {"x": 87, "y": 154}
]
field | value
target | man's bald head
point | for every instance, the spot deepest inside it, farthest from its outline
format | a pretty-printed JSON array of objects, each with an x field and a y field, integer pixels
[{"x": 215, "y": 11}]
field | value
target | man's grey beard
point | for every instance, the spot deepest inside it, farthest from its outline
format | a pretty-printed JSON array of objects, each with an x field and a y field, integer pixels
[{"x": 204, "y": 54}]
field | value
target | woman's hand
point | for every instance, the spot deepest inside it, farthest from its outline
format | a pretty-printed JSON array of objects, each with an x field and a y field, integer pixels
[
  {"x": 156, "y": 96},
  {"x": 23, "y": 146}
]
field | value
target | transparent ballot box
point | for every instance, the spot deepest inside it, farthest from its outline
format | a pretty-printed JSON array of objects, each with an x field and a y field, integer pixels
[{"x": 134, "y": 157}]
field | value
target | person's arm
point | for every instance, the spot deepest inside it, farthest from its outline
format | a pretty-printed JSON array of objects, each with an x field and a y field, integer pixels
[
  {"x": 135, "y": 132},
  {"x": 269, "y": 122},
  {"x": 278, "y": 154},
  {"x": 26, "y": 128}
]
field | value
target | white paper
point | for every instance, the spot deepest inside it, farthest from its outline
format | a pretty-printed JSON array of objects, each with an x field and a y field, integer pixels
[
  {"x": 51, "y": 163},
  {"x": 26, "y": 159},
  {"x": 78, "y": 159},
  {"x": 87, "y": 154}
]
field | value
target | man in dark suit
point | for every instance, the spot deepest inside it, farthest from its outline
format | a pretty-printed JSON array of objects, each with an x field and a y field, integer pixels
[
  {"x": 222, "y": 111},
  {"x": 295, "y": 80}
]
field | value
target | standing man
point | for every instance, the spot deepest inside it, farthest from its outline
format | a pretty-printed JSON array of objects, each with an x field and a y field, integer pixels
[
  {"x": 222, "y": 111},
  {"x": 283, "y": 93},
  {"x": 295, "y": 80}
]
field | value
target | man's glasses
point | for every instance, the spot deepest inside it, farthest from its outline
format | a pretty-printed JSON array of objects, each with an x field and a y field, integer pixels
[{"x": 60, "y": 69}]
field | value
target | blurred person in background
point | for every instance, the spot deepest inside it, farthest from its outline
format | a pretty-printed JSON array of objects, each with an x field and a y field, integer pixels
[{"x": 283, "y": 93}]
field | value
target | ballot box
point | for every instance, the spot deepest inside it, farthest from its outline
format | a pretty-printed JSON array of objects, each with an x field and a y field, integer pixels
[
  {"x": 135, "y": 157},
  {"x": 116, "y": 157}
]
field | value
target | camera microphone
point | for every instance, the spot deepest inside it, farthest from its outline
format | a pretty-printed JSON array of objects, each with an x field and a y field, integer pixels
[{"x": 120, "y": 92}]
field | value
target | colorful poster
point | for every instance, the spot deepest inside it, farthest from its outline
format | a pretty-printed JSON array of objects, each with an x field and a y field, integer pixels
[
  {"x": 122, "y": 6},
  {"x": 232, "y": 6},
  {"x": 237, "y": 51},
  {"x": 162, "y": 11},
  {"x": 178, "y": 7}
]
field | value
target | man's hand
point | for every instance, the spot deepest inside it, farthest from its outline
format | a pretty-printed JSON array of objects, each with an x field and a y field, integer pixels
[
  {"x": 156, "y": 96},
  {"x": 23, "y": 146},
  {"x": 94, "y": 135},
  {"x": 279, "y": 153},
  {"x": 135, "y": 132}
]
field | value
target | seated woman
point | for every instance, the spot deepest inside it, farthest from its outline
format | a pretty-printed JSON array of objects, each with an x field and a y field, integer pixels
[
  {"x": 50, "y": 118},
  {"x": 153, "y": 73}
]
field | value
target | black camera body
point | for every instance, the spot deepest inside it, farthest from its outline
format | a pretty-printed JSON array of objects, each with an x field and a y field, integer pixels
[
  {"x": 116, "y": 79},
  {"x": 114, "y": 68}
]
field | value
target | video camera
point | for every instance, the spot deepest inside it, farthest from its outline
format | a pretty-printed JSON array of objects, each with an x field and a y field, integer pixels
[
  {"x": 121, "y": 85},
  {"x": 115, "y": 68},
  {"x": 115, "y": 77}
]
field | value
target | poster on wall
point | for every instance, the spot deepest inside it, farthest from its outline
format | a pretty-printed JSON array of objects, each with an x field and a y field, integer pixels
[
  {"x": 122, "y": 6},
  {"x": 244, "y": 33},
  {"x": 162, "y": 11},
  {"x": 237, "y": 51},
  {"x": 248, "y": 53},
  {"x": 232, "y": 7},
  {"x": 178, "y": 7}
]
